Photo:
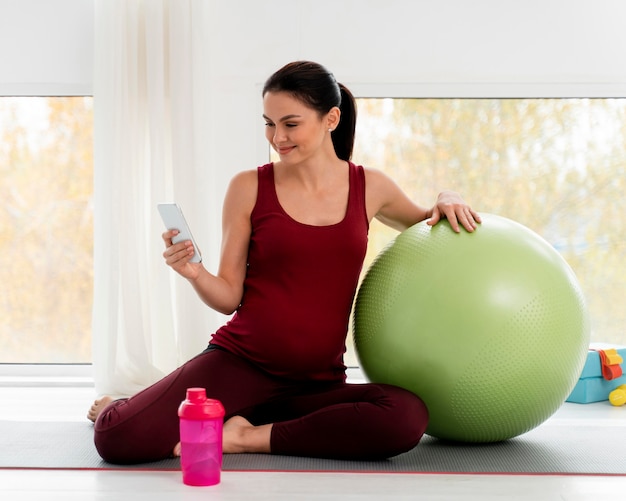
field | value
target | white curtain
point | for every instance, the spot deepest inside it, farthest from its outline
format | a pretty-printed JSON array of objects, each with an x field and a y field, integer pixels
[{"x": 151, "y": 101}]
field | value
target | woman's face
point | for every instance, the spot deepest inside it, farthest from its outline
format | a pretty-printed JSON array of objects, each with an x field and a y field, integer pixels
[{"x": 295, "y": 131}]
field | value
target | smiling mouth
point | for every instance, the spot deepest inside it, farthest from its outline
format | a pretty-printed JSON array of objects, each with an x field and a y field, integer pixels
[{"x": 284, "y": 150}]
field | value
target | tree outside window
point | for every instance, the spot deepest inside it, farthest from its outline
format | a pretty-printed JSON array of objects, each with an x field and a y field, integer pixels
[
  {"x": 555, "y": 165},
  {"x": 46, "y": 229}
]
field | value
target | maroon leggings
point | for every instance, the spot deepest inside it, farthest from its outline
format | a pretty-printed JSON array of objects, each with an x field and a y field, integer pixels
[{"x": 331, "y": 420}]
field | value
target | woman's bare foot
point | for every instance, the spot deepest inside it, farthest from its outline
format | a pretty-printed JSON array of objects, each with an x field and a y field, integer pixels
[
  {"x": 242, "y": 436},
  {"x": 97, "y": 407}
]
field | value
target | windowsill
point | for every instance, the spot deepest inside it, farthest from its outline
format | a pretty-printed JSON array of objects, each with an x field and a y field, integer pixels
[
  {"x": 79, "y": 375},
  {"x": 355, "y": 375},
  {"x": 46, "y": 375}
]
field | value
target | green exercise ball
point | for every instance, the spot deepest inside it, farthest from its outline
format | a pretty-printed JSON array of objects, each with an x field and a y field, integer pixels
[{"x": 489, "y": 328}]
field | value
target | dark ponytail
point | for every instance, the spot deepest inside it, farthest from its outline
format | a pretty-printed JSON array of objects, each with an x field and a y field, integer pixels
[
  {"x": 316, "y": 87},
  {"x": 343, "y": 135}
]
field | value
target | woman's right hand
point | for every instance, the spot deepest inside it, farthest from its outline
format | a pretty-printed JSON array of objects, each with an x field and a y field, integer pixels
[
  {"x": 222, "y": 291},
  {"x": 178, "y": 256}
]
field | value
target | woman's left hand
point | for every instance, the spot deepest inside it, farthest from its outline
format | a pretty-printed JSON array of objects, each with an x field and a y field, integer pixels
[{"x": 451, "y": 206}]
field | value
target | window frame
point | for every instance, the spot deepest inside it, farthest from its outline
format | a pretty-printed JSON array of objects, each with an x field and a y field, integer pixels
[
  {"x": 486, "y": 91},
  {"x": 27, "y": 374},
  {"x": 45, "y": 374}
]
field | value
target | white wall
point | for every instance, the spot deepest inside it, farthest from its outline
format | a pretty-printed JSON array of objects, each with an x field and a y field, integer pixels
[
  {"x": 46, "y": 47},
  {"x": 400, "y": 41},
  {"x": 443, "y": 48},
  {"x": 393, "y": 47}
]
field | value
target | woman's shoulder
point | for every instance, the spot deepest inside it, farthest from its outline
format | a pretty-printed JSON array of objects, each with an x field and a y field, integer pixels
[
  {"x": 250, "y": 177},
  {"x": 376, "y": 177},
  {"x": 246, "y": 178},
  {"x": 243, "y": 187},
  {"x": 380, "y": 189}
]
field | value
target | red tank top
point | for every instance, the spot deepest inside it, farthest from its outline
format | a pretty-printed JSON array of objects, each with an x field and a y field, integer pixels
[{"x": 299, "y": 287}]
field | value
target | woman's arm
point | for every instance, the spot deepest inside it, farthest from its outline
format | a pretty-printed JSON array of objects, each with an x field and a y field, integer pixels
[
  {"x": 222, "y": 291},
  {"x": 390, "y": 205}
]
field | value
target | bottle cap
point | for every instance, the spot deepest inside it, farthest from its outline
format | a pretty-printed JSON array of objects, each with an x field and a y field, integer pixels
[{"x": 198, "y": 406}]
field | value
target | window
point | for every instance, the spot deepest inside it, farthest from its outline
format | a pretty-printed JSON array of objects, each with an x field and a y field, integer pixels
[
  {"x": 46, "y": 229},
  {"x": 555, "y": 165}
]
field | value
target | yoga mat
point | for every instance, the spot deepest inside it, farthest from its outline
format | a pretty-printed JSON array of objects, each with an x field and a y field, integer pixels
[{"x": 549, "y": 449}]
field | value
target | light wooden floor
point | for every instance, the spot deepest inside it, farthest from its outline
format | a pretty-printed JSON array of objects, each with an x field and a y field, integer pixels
[{"x": 70, "y": 403}]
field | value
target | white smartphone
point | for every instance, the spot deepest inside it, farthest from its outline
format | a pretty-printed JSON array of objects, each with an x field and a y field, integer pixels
[{"x": 174, "y": 219}]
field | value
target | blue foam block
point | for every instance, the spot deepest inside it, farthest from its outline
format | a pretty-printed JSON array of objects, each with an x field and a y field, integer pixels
[
  {"x": 594, "y": 389},
  {"x": 593, "y": 367}
]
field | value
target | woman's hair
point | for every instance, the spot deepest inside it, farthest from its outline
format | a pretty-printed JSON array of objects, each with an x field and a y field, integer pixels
[{"x": 316, "y": 87}]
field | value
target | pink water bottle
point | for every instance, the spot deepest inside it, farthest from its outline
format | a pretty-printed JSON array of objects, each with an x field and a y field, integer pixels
[{"x": 201, "y": 421}]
